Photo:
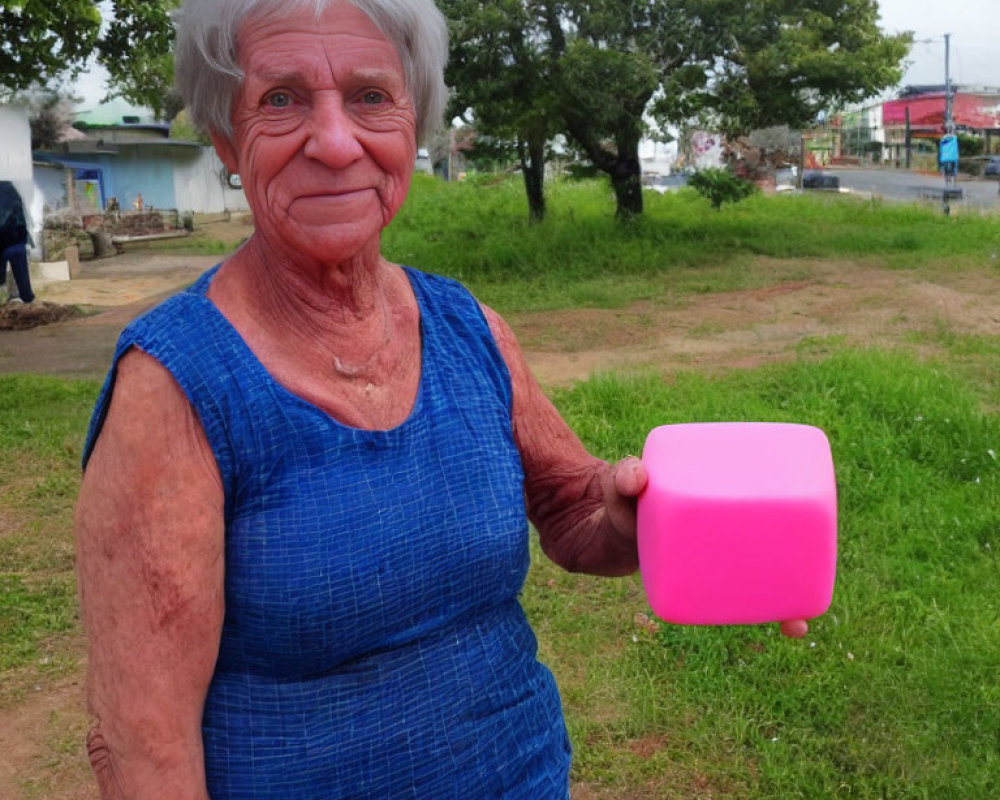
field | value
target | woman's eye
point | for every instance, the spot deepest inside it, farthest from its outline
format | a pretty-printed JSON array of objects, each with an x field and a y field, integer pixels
[
  {"x": 278, "y": 100},
  {"x": 373, "y": 97}
]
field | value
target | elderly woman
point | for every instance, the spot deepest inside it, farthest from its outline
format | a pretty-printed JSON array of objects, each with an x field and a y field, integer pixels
[{"x": 303, "y": 524}]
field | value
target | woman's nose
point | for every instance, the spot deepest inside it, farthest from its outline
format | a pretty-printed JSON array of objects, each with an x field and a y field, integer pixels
[{"x": 333, "y": 133}]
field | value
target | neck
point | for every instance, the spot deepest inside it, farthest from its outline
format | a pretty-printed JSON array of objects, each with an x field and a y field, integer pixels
[
  {"x": 316, "y": 292},
  {"x": 347, "y": 338},
  {"x": 339, "y": 317}
]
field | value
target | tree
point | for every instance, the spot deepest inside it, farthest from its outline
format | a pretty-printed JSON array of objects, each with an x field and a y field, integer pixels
[
  {"x": 46, "y": 41},
  {"x": 782, "y": 62},
  {"x": 51, "y": 113},
  {"x": 43, "y": 40},
  {"x": 137, "y": 52},
  {"x": 500, "y": 69},
  {"x": 598, "y": 67},
  {"x": 620, "y": 55},
  {"x": 720, "y": 186}
]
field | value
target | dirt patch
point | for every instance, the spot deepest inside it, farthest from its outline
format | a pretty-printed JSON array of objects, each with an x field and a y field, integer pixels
[
  {"x": 107, "y": 295},
  {"x": 42, "y": 744},
  {"x": 844, "y": 302},
  {"x": 23, "y": 316}
]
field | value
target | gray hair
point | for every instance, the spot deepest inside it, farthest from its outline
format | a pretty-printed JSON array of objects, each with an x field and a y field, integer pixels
[{"x": 207, "y": 75}]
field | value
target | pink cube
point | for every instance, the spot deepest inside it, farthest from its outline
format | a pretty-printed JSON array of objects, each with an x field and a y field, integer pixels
[{"x": 738, "y": 523}]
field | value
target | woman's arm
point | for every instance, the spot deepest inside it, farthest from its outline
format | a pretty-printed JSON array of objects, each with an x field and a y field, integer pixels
[
  {"x": 150, "y": 552},
  {"x": 583, "y": 508}
]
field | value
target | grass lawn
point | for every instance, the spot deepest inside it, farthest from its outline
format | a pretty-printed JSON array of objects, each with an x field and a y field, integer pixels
[
  {"x": 896, "y": 690},
  {"x": 580, "y": 256},
  {"x": 895, "y": 693}
]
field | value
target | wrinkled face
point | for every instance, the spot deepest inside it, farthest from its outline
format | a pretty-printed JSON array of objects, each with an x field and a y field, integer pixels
[{"x": 323, "y": 131}]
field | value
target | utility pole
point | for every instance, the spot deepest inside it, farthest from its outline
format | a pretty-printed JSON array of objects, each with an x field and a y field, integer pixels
[
  {"x": 949, "y": 120},
  {"x": 950, "y": 167}
]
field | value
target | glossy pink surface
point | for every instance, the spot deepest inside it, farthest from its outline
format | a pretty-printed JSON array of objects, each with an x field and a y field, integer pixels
[{"x": 738, "y": 523}]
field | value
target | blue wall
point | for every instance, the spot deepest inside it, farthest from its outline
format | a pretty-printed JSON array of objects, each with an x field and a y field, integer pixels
[
  {"x": 145, "y": 169},
  {"x": 140, "y": 170}
]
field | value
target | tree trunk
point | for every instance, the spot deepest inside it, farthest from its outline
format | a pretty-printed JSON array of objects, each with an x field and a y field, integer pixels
[
  {"x": 103, "y": 246},
  {"x": 626, "y": 178},
  {"x": 622, "y": 166},
  {"x": 532, "y": 155}
]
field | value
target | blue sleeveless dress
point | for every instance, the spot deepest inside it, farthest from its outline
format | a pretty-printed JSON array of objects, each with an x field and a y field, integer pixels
[{"x": 373, "y": 643}]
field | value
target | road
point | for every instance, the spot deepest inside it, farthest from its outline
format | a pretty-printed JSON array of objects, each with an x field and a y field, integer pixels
[{"x": 899, "y": 185}]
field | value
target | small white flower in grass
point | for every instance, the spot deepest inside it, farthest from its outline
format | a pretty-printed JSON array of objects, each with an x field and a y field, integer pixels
[
  {"x": 992, "y": 453},
  {"x": 850, "y": 656},
  {"x": 812, "y": 644}
]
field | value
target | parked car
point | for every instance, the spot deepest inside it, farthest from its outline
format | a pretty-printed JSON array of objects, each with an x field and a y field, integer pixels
[
  {"x": 819, "y": 180},
  {"x": 992, "y": 169}
]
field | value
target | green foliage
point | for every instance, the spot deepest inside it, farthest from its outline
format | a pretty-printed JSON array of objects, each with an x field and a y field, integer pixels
[
  {"x": 42, "y": 421},
  {"x": 784, "y": 62},
  {"x": 970, "y": 145},
  {"x": 592, "y": 68},
  {"x": 500, "y": 68},
  {"x": 478, "y": 232},
  {"x": 182, "y": 128},
  {"x": 43, "y": 41},
  {"x": 720, "y": 186},
  {"x": 894, "y": 693},
  {"x": 136, "y": 50}
]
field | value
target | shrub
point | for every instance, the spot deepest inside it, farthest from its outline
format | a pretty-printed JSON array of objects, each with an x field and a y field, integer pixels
[{"x": 720, "y": 186}]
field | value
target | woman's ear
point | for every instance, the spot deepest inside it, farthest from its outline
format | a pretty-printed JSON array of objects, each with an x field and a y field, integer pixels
[{"x": 225, "y": 150}]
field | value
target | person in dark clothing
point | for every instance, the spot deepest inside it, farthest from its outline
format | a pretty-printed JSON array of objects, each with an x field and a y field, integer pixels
[{"x": 14, "y": 240}]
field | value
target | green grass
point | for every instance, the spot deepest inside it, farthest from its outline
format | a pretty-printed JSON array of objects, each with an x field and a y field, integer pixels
[
  {"x": 42, "y": 422},
  {"x": 896, "y": 691},
  {"x": 894, "y": 694},
  {"x": 580, "y": 256}
]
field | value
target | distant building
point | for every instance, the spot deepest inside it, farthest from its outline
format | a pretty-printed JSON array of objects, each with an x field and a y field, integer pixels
[
  {"x": 116, "y": 112},
  {"x": 905, "y": 130},
  {"x": 126, "y": 154},
  {"x": 919, "y": 113}
]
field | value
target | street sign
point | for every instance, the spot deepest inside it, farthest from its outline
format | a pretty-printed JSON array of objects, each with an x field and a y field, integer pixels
[{"x": 949, "y": 149}]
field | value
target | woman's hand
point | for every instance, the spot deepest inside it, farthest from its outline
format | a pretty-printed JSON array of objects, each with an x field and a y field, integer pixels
[{"x": 622, "y": 483}]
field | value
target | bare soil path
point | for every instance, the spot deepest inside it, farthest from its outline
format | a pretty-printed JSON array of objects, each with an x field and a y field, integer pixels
[
  {"x": 111, "y": 292},
  {"x": 858, "y": 302},
  {"x": 846, "y": 301}
]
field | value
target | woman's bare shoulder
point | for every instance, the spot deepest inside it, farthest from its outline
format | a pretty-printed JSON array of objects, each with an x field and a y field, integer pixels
[{"x": 151, "y": 435}]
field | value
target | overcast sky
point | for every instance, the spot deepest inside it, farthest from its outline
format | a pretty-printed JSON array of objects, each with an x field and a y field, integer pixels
[{"x": 974, "y": 26}]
